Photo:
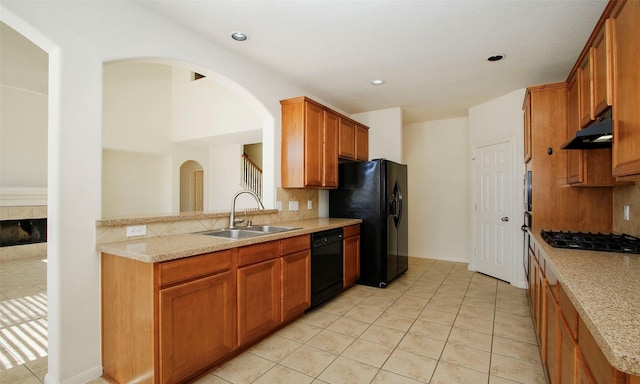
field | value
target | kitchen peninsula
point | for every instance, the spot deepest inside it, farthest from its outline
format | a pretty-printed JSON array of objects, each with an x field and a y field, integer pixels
[{"x": 175, "y": 306}]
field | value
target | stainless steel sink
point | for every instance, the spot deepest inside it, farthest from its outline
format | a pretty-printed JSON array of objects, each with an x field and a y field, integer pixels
[
  {"x": 269, "y": 228},
  {"x": 244, "y": 232}
]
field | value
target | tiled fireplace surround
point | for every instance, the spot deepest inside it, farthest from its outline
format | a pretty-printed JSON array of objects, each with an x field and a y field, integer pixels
[{"x": 27, "y": 250}]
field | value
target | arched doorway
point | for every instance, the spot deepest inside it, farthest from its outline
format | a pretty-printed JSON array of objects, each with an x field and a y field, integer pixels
[{"x": 191, "y": 187}]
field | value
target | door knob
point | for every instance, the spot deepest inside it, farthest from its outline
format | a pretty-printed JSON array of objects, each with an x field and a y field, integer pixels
[{"x": 506, "y": 218}]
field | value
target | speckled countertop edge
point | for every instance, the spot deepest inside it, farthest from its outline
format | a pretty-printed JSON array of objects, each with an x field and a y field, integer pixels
[
  {"x": 604, "y": 287},
  {"x": 165, "y": 248}
]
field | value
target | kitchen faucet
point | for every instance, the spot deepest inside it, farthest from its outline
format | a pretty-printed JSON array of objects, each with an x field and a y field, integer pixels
[{"x": 232, "y": 217}]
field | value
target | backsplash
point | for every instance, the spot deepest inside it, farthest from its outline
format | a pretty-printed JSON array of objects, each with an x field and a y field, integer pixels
[
  {"x": 627, "y": 195},
  {"x": 108, "y": 231}
]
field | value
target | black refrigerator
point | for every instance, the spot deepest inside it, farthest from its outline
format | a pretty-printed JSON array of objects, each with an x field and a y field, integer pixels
[{"x": 376, "y": 192}]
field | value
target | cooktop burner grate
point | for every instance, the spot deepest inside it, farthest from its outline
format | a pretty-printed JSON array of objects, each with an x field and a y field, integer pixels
[{"x": 593, "y": 241}]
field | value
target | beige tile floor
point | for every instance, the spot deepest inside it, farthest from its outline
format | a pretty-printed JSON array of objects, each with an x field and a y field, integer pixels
[{"x": 437, "y": 323}]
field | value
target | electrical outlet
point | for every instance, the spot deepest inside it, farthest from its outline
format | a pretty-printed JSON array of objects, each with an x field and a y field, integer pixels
[
  {"x": 279, "y": 205},
  {"x": 309, "y": 204},
  {"x": 627, "y": 213},
  {"x": 293, "y": 205},
  {"x": 136, "y": 230}
]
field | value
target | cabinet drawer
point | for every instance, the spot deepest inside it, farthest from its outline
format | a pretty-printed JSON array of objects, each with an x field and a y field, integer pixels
[
  {"x": 175, "y": 271},
  {"x": 351, "y": 230},
  {"x": 569, "y": 312},
  {"x": 295, "y": 244},
  {"x": 252, "y": 254}
]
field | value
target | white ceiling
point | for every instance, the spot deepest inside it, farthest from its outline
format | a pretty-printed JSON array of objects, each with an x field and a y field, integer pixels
[{"x": 432, "y": 54}]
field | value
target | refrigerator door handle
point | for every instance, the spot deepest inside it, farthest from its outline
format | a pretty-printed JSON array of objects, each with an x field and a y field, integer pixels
[{"x": 396, "y": 211}]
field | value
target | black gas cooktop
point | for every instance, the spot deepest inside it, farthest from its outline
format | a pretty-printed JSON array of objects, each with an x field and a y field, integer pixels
[{"x": 593, "y": 241}]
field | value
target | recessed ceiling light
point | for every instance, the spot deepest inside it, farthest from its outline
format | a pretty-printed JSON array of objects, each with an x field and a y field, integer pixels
[
  {"x": 377, "y": 82},
  {"x": 496, "y": 57},
  {"x": 239, "y": 36}
]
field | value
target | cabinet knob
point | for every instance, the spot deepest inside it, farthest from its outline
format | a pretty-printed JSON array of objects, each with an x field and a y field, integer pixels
[{"x": 506, "y": 218}]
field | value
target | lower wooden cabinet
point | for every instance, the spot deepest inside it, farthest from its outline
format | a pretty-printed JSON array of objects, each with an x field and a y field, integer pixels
[
  {"x": 568, "y": 351},
  {"x": 197, "y": 325},
  {"x": 258, "y": 288},
  {"x": 296, "y": 284},
  {"x": 351, "y": 252}
]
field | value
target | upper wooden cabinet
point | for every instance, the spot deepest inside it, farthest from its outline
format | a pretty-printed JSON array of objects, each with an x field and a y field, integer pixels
[
  {"x": 314, "y": 137},
  {"x": 585, "y": 168},
  {"x": 347, "y": 143},
  {"x": 595, "y": 77},
  {"x": 526, "y": 107},
  {"x": 362, "y": 143},
  {"x": 602, "y": 69},
  {"x": 626, "y": 89},
  {"x": 584, "y": 89}
]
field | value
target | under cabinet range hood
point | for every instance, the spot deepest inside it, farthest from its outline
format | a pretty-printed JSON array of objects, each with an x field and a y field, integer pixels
[{"x": 597, "y": 135}]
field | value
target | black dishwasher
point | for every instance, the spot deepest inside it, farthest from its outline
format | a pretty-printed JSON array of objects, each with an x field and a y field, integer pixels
[{"x": 326, "y": 265}]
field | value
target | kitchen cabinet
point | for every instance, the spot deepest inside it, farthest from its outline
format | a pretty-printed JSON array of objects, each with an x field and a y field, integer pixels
[
  {"x": 553, "y": 204},
  {"x": 602, "y": 81},
  {"x": 595, "y": 361},
  {"x": 551, "y": 336},
  {"x": 585, "y": 168},
  {"x": 526, "y": 107},
  {"x": 351, "y": 251},
  {"x": 166, "y": 322},
  {"x": 259, "y": 291},
  {"x": 626, "y": 83},
  {"x": 362, "y": 143},
  {"x": 347, "y": 142},
  {"x": 206, "y": 303},
  {"x": 314, "y": 137},
  {"x": 296, "y": 276},
  {"x": 585, "y": 96},
  {"x": 568, "y": 359}
]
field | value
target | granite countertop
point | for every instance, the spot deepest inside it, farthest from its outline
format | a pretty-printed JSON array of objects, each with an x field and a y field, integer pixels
[
  {"x": 604, "y": 287},
  {"x": 164, "y": 248}
]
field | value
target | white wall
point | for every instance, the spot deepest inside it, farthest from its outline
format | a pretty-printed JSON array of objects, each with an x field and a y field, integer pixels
[
  {"x": 438, "y": 166},
  {"x": 79, "y": 38},
  {"x": 385, "y": 133},
  {"x": 135, "y": 183},
  {"x": 137, "y": 107},
  {"x": 23, "y": 112},
  {"x": 493, "y": 121},
  {"x": 204, "y": 108}
]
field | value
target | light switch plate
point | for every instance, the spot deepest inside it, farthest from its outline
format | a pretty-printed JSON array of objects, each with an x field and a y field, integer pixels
[
  {"x": 293, "y": 205},
  {"x": 136, "y": 230},
  {"x": 627, "y": 213},
  {"x": 279, "y": 205},
  {"x": 309, "y": 204}
]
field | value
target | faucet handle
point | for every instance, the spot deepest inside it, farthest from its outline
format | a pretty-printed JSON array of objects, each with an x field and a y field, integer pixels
[{"x": 238, "y": 221}]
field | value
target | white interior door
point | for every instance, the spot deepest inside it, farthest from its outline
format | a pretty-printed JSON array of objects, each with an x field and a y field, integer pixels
[{"x": 493, "y": 235}]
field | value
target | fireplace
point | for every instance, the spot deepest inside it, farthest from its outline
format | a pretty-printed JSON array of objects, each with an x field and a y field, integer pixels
[{"x": 20, "y": 232}]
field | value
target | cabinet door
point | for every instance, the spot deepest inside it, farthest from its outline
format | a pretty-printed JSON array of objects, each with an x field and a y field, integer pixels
[
  {"x": 574, "y": 157},
  {"x": 313, "y": 145},
  {"x": 258, "y": 288},
  {"x": 330, "y": 150},
  {"x": 527, "y": 127},
  {"x": 296, "y": 284},
  {"x": 586, "y": 100},
  {"x": 583, "y": 376},
  {"x": 551, "y": 345},
  {"x": 347, "y": 142},
  {"x": 197, "y": 325},
  {"x": 626, "y": 114},
  {"x": 567, "y": 359},
  {"x": 351, "y": 260},
  {"x": 602, "y": 73},
  {"x": 362, "y": 143}
]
